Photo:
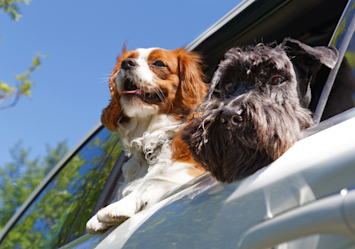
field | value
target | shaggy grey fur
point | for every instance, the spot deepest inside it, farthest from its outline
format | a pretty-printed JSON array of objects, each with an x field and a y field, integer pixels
[{"x": 264, "y": 93}]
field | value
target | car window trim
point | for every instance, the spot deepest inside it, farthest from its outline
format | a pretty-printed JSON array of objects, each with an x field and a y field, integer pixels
[
  {"x": 341, "y": 117},
  {"x": 333, "y": 73},
  {"x": 219, "y": 24},
  {"x": 98, "y": 127}
]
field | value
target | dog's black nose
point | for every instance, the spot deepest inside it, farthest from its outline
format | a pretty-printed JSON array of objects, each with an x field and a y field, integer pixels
[
  {"x": 128, "y": 63},
  {"x": 232, "y": 119}
]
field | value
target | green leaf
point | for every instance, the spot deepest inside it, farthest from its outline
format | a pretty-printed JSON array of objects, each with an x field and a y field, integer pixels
[
  {"x": 11, "y": 7},
  {"x": 18, "y": 77},
  {"x": 6, "y": 88},
  {"x": 25, "y": 87},
  {"x": 23, "y": 80},
  {"x": 36, "y": 61}
]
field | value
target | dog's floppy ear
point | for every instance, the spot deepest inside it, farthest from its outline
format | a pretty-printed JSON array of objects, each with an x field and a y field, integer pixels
[
  {"x": 310, "y": 56},
  {"x": 192, "y": 88},
  {"x": 308, "y": 61},
  {"x": 112, "y": 113}
]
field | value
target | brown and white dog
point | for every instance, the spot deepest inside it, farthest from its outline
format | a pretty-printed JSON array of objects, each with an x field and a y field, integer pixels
[{"x": 153, "y": 91}]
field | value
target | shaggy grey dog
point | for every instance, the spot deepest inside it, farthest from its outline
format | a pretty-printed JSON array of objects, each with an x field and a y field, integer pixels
[{"x": 264, "y": 93}]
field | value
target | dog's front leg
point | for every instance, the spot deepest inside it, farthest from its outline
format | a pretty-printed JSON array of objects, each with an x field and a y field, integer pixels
[
  {"x": 127, "y": 207},
  {"x": 147, "y": 194},
  {"x": 160, "y": 180},
  {"x": 94, "y": 226},
  {"x": 133, "y": 170}
]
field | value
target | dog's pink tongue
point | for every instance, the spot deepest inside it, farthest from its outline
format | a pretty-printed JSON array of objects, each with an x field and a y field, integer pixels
[{"x": 137, "y": 91}]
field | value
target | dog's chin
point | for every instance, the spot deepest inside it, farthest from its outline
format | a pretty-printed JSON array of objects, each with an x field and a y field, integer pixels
[
  {"x": 227, "y": 154},
  {"x": 134, "y": 106}
]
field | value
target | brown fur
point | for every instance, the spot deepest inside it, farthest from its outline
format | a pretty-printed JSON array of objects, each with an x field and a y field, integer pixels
[
  {"x": 183, "y": 85},
  {"x": 111, "y": 114}
]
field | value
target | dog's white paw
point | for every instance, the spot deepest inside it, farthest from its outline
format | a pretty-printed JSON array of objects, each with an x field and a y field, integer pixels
[
  {"x": 118, "y": 212},
  {"x": 94, "y": 226}
]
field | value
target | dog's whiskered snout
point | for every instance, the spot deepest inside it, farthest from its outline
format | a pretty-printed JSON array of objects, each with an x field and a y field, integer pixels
[
  {"x": 128, "y": 63},
  {"x": 232, "y": 119}
]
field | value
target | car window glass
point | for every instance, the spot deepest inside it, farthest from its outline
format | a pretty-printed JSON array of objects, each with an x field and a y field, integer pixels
[
  {"x": 318, "y": 241},
  {"x": 73, "y": 229},
  {"x": 48, "y": 221}
]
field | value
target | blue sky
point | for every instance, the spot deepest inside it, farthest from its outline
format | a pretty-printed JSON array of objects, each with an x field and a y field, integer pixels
[{"x": 83, "y": 38}]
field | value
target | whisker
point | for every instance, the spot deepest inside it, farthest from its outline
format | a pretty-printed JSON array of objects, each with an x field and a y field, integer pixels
[
  {"x": 162, "y": 93},
  {"x": 162, "y": 96},
  {"x": 159, "y": 92},
  {"x": 104, "y": 80}
]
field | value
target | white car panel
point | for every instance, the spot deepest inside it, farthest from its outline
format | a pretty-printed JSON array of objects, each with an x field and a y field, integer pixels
[{"x": 291, "y": 181}]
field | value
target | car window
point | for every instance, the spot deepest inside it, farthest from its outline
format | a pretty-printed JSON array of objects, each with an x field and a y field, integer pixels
[{"x": 59, "y": 213}]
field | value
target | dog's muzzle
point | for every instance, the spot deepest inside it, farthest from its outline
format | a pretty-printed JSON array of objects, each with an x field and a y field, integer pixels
[
  {"x": 232, "y": 118},
  {"x": 128, "y": 64}
]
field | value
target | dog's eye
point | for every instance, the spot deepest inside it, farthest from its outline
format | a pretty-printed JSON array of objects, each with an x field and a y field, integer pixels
[
  {"x": 277, "y": 80},
  {"x": 228, "y": 86},
  {"x": 159, "y": 64}
]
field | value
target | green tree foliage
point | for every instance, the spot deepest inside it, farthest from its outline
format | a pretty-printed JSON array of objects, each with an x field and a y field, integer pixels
[
  {"x": 23, "y": 85},
  {"x": 11, "y": 7},
  {"x": 19, "y": 177},
  {"x": 59, "y": 214}
]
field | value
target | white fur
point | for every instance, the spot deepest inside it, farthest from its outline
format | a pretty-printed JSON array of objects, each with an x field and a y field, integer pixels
[
  {"x": 146, "y": 179},
  {"x": 133, "y": 110},
  {"x": 161, "y": 178},
  {"x": 142, "y": 136},
  {"x": 143, "y": 77},
  {"x": 142, "y": 72}
]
